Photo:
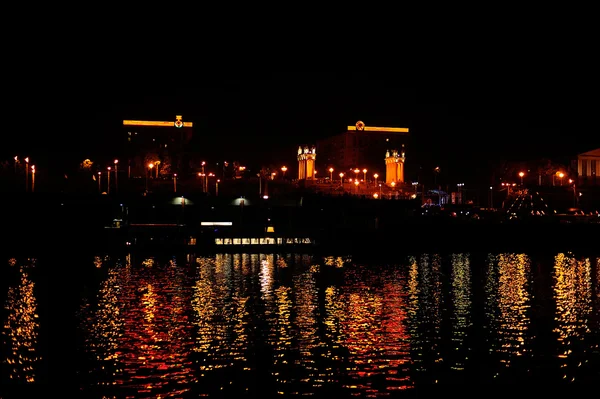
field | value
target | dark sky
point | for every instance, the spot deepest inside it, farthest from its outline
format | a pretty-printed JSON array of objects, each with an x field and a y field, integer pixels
[{"x": 258, "y": 120}]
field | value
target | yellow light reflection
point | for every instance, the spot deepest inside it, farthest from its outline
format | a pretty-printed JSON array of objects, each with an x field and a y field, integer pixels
[
  {"x": 21, "y": 330},
  {"x": 425, "y": 311},
  {"x": 573, "y": 296},
  {"x": 461, "y": 301},
  {"x": 221, "y": 317},
  {"x": 507, "y": 307}
]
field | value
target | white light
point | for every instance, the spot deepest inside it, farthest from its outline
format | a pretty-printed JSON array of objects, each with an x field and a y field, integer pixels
[{"x": 216, "y": 223}]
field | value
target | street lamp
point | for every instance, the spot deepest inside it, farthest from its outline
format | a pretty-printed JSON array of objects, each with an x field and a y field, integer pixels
[
  {"x": 32, "y": 178},
  {"x": 116, "y": 175},
  {"x": 100, "y": 183},
  {"x": 375, "y": 176},
  {"x": 174, "y": 182},
  {"x": 341, "y": 178},
  {"x": 331, "y": 174},
  {"x": 521, "y": 174},
  {"x": 356, "y": 172},
  {"x": 108, "y": 181},
  {"x": 460, "y": 186},
  {"x": 26, "y": 174},
  {"x": 560, "y": 176},
  {"x": 365, "y": 175},
  {"x": 217, "y": 187},
  {"x": 150, "y": 166},
  {"x": 284, "y": 169},
  {"x": 356, "y": 185}
]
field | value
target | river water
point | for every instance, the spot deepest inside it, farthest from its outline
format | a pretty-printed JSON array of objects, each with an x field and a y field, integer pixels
[{"x": 261, "y": 325}]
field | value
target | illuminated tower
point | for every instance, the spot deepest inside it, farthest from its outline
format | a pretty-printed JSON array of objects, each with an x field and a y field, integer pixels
[
  {"x": 394, "y": 167},
  {"x": 306, "y": 163}
]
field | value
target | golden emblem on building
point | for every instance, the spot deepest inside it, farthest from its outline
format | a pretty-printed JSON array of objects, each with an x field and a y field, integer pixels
[{"x": 178, "y": 121}]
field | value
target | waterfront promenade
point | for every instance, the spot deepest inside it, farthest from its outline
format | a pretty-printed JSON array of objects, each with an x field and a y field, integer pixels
[{"x": 340, "y": 223}]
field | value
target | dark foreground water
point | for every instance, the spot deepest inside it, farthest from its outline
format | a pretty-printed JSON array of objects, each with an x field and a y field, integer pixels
[{"x": 263, "y": 325}]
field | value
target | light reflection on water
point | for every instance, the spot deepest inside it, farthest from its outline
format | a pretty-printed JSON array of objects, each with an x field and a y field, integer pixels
[
  {"x": 261, "y": 324},
  {"x": 573, "y": 296},
  {"x": 21, "y": 327},
  {"x": 507, "y": 313}
]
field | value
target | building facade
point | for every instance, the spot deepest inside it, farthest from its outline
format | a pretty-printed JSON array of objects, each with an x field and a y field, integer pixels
[
  {"x": 588, "y": 167},
  {"x": 162, "y": 143},
  {"x": 360, "y": 146}
]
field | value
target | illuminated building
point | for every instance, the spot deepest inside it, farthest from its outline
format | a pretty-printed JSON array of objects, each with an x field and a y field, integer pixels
[
  {"x": 394, "y": 166},
  {"x": 162, "y": 141},
  {"x": 588, "y": 167},
  {"x": 306, "y": 163},
  {"x": 360, "y": 146}
]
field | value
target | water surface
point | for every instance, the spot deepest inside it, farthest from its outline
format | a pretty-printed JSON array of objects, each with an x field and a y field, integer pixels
[{"x": 259, "y": 325}]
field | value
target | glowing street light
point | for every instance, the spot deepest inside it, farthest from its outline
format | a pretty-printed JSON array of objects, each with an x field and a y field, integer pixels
[
  {"x": 116, "y": 175},
  {"x": 26, "y": 174},
  {"x": 365, "y": 175},
  {"x": 331, "y": 174},
  {"x": 100, "y": 183},
  {"x": 342, "y": 178},
  {"x": 521, "y": 174},
  {"x": 375, "y": 176},
  {"x": 32, "y": 178},
  {"x": 108, "y": 181},
  {"x": 283, "y": 170},
  {"x": 560, "y": 176},
  {"x": 174, "y": 182},
  {"x": 150, "y": 166}
]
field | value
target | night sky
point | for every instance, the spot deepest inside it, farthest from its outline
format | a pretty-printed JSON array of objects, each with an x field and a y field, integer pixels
[{"x": 261, "y": 121}]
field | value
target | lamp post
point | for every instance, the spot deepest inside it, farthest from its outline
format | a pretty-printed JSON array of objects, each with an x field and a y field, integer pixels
[
  {"x": 491, "y": 197},
  {"x": 460, "y": 186},
  {"x": 116, "y": 175},
  {"x": 375, "y": 176},
  {"x": 203, "y": 177},
  {"x": 283, "y": 170},
  {"x": 16, "y": 162},
  {"x": 356, "y": 172},
  {"x": 100, "y": 183},
  {"x": 521, "y": 174},
  {"x": 149, "y": 173},
  {"x": 217, "y": 187},
  {"x": 356, "y": 185},
  {"x": 560, "y": 176},
  {"x": 174, "y": 182},
  {"x": 365, "y": 175},
  {"x": 27, "y": 174},
  {"x": 108, "y": 181},
  {"x": 342, "y": 179},
  {"x": 331, "y": 174},
  {"x": 32, "y": 178}
]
